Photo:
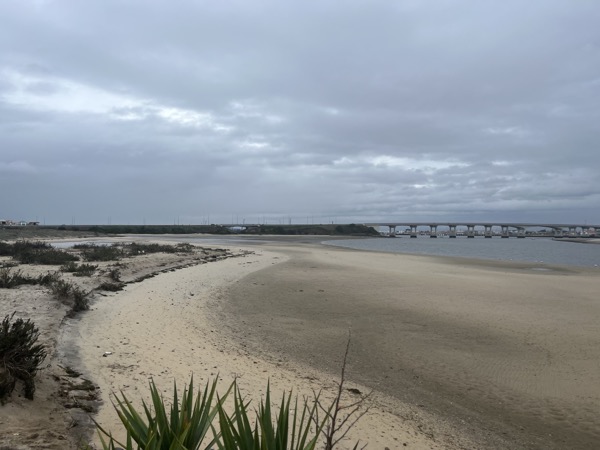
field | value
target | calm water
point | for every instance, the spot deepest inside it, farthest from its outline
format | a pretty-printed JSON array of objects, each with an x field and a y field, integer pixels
[{"x": 539, "y": 250}]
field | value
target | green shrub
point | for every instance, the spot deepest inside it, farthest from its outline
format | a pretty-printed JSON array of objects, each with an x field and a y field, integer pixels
[
  {"x": 91, "y": 252},
  {"x": 10, "y": 279},
  {"x": 114, "y": 274},
  {"x": 71, "y": 266},
  {"x": 136, "y": 248},
  {"x": 83, "y": 270},
  {"x": 111, "y": 287},
  {"x": 28, "y": 252},
  {"x": 191, "y": 418},
  {"x": 61, "y": 289},
  {"x": 286, "y": 430},
  {"x": 48, "y": 278},
  {"x": 70, "y": 294},
  {"x": 80, "y": 298},
  {"x": 20, "y": 355},
  {"x": 6, "y": 249},
  {"x": 185, "y": 428}
]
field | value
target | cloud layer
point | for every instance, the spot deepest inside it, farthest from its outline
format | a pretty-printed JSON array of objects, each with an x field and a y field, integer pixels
[{"x": 315, "y": 111}]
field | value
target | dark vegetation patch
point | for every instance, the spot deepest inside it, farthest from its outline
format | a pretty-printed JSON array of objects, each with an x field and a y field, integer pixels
[
  {"x": 304, "y": 230},
  {"x": 295, "y": 229},
  {"x": 93, "y": 252},
  {"x": 143, "y": 229},
  {"x": 135, "y": 248},
  {"x": 71, "y": 294},
  {"x": 111, "y": 286},
  {"x": 36, "y": 252},
  {"x": 10, "y": 279},
  {"x": 82, "y": 270},
  {"x": 20, "y": 356},
  {"x": 114, "y": 273}
]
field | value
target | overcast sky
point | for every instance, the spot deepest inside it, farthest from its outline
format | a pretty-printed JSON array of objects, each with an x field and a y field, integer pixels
[{"x": 133, "y": 111}]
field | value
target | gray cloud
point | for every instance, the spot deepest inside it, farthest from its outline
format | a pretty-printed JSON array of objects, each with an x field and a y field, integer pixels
[{"x": 160, "y": 110}]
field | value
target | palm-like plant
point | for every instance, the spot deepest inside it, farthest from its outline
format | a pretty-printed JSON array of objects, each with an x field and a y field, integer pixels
[
  {"x": 185, "y": 428},
  {"x": 289, "y": 429},
  {"x": 294, "y": 426}
]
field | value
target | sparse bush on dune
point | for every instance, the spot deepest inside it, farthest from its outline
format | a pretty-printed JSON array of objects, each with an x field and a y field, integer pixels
[
  {"x": 70, "y": 293},
  {"x": 10, "y": 279},
  {"x": 80, "y": 298},
  {"x": 92, "y": 252},
  {"x": 82, "y": 270},
  {"x": 35, "y": 252},
  {"x": 136, "y": 248},
  {"x": 48, "y": 278},
  {"x": 114, "y": 274},
  {"x": 20, "y": 355},
  {"x": 61, "y": 289},
  {"x": 111, "y": 287}
]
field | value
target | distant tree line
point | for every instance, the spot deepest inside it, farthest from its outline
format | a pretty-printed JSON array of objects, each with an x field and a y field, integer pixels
[{"x": 327, "y": 230}]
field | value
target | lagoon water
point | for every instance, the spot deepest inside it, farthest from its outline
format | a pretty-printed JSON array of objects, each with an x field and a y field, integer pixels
[{"x": 536, "y": 250}]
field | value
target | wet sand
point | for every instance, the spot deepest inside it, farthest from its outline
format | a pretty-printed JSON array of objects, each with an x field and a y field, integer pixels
[{"x": 507, "y": 354}]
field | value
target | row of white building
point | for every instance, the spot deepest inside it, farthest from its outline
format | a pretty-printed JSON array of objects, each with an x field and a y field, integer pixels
[{"x": 17, "y": 223}]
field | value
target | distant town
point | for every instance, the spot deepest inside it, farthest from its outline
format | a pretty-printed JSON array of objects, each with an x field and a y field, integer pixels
[{"x": 17, "y": 223}]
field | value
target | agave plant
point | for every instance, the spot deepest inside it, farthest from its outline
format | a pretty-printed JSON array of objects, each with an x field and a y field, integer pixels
[
  {"x": 289, "y": 429},
  {"x": 185, "y": 428}
]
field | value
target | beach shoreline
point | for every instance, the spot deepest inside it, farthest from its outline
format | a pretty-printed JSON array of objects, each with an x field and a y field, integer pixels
[
  {"x": 459, "y": 353},
  {"x": 192, "y": 298},
  {"x": 503, "y": 352}
]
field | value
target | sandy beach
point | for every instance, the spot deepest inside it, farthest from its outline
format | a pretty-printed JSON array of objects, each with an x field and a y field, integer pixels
[
  {"x": 172, "y": 326},
  {"x": 459, "y": 353}
]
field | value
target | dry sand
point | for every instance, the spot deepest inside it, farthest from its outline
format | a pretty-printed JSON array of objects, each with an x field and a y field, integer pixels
[
  {"x": 58, "y": 417},
  {"x": 460, "y": 354}
]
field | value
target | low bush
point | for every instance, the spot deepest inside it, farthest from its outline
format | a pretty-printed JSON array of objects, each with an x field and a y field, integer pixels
[
  {"x": 10, "y": 279},
  {"x": 82, "y": 270},
  {"x": 20, "y": 355},
  {"x": 28, "y": 252},
  {"x": 91, "y": 252},
  {"x": 81, "y": 300},
  {"x": 136, "y": 248},
  {"x": 71, "y": 266},
  {"x": 48, "y": 278},
  {"x": 114, "y": 274},
  {"x": 111, "y": 287},
  {"x": 61, "y": 289},
  {"x": 6, "y": 249},
  {"x": 70, "y": 294}
]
